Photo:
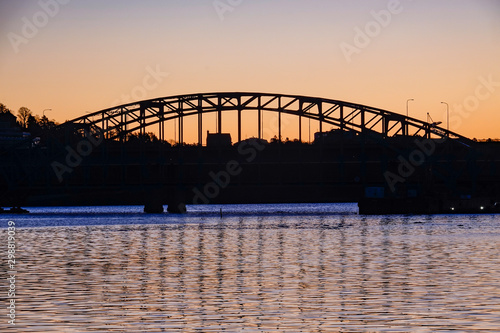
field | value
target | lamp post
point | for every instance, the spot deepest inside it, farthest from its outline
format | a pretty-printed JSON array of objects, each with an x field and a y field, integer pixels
[
  {"x": 43, "y": 112},
  {"x": 447, "y": 117},
  {"x": 408, "y": 101},
  {"x": 406, "y": 121}
]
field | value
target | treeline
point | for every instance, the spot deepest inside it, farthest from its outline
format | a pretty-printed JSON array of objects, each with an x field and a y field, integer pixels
[
  {"x": 30, "y": 122},
  {"x": 42, "y": 126}
]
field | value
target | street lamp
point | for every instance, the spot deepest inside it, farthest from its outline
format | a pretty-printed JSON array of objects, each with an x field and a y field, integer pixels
[
  {"x": 447, "y": 117},
  {"x": 43, "y": 112},
  {"x": 411, "y": 99},
  {"x": 406, "y": 120}
]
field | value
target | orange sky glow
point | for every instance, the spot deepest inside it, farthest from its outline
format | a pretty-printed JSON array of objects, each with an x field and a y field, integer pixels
[{"x": 83, "y": 56}]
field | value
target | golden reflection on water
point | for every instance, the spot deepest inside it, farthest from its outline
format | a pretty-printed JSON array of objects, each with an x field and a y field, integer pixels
[{"x": 262, "y": 274}]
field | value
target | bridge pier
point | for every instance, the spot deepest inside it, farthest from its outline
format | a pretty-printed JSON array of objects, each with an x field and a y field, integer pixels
[
  {"x": 176, "y": 208},
  {"x": 153, "y": 206},
  {"x": 177, "y": 203}
]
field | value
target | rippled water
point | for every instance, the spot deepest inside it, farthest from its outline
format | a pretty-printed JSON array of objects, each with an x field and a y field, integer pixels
[{"x": 259, "y": 268}]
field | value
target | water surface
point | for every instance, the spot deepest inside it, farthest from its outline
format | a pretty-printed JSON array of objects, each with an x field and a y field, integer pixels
[{"x": 259, "y": 268}]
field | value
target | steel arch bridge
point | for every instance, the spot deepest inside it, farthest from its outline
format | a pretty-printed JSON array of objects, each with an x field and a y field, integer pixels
[{"x": 117, "y": 122}]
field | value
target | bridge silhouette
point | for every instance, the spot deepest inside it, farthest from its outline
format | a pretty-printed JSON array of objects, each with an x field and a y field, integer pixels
[
  {"x": 90, "y": 160},
  {"x": 117, "y": 122}
]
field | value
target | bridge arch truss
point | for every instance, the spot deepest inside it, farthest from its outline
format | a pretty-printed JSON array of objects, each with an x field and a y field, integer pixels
[{"x": 117, "y": 122}]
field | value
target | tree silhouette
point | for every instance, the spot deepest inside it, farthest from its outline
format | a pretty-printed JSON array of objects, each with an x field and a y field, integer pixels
[
  {"x": 3, "y": 108},
  {"x": 24, "y": 115},
  {"x": 46, "y": 124},
  {"x": 32, "y": 123}
]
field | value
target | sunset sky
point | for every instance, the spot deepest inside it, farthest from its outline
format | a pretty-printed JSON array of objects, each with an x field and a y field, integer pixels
[{"x": 83, "y": 56}]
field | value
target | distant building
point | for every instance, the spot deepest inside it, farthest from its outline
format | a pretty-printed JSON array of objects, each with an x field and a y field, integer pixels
[
  {"x": 7, "y": 120},
  {"x": 218, "y": 139},
  {"x": 10, "y": 132}
]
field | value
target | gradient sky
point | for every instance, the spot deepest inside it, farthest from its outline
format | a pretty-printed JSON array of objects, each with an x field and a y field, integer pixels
[{"x": 95, "y": 54}]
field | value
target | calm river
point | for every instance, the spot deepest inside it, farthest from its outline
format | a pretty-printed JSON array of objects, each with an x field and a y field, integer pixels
[{"x": 259, "y": 268}]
